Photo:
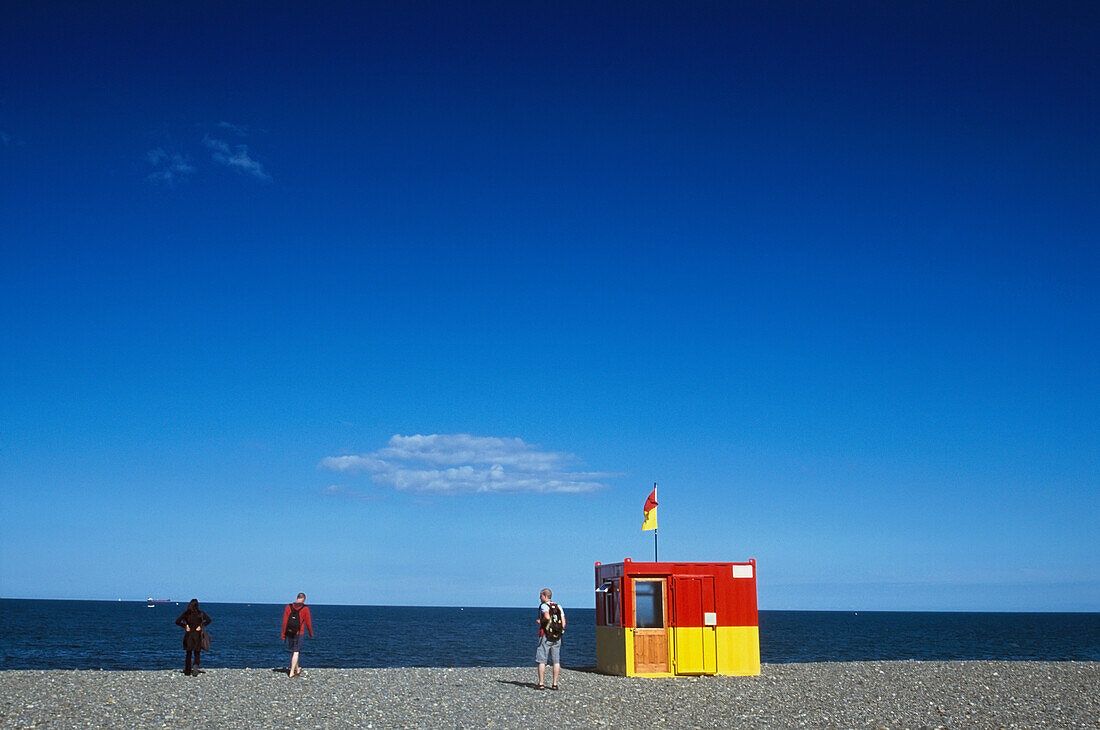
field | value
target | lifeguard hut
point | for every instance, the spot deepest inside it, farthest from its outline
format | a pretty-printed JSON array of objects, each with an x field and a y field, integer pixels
[{"x": 667, "y": 619}]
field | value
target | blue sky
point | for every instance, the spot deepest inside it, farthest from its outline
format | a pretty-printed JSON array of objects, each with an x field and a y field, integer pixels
[{"x": 412, "y": 303}]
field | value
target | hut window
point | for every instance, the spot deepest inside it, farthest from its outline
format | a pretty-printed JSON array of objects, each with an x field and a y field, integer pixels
[
  {"x": 648, "y": 604},
  {"x": 610, "y": 602}
]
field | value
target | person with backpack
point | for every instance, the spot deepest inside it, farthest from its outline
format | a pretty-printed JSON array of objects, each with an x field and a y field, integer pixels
[
  {"x": 193, "y": 620},
  {"x": 551, "y": 627},
  {"x": 296, "y": 622}
]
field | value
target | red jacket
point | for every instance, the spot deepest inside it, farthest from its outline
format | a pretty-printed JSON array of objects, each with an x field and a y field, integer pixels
[{"x": 303, "y": 618}]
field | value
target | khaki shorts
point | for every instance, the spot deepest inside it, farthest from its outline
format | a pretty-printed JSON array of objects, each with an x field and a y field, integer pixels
[{"x": 548, "y": 650}]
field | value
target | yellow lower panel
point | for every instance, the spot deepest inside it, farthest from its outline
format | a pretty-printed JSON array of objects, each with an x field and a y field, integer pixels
[
  {"x": 738, "y": 650},
  {"x": 615, "y": 653},
  {"x": 695, "y": 650},
  {"x": 613, "y": 646}
]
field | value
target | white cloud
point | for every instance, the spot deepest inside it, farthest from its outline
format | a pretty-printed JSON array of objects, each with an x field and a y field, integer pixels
[
  {"x": 345, "y": 492},
  {"x": 461, "y": 464},
  {"x": 168, "y": 168},
  {"x": 350, "y": 463},
  {"x": 237, "y": 129},
  {"x": 217, "y": 145},
  {"x": 236, "y": 157}
]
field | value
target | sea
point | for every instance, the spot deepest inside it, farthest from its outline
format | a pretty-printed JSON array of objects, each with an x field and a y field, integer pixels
[{"x": 40, "y": 634}]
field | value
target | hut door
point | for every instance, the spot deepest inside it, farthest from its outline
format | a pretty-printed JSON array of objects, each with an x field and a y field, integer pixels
[
  {"x": 694, "y": 634},
  {"x": 650, "y": 627}
]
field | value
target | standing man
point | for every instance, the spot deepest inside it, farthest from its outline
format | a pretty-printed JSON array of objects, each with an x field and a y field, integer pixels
[
  {"x": 551, "y": 627},
  {"x": 296, "y": 622}
]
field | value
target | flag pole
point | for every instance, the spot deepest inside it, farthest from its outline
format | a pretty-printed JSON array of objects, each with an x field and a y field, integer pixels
[{"x": 654, "y": 529}]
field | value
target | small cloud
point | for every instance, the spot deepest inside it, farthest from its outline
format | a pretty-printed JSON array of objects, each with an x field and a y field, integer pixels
[
  {"x": 462, "y": 464},
  {"x": 345, "y": 492},
  {"x": 218, "y": 146},
  {"x": 351, "y": 464},
  {"x": 237, "y": 129},
  {"x": 168, "y": 168},
  {"x": 236, "y": 157}
]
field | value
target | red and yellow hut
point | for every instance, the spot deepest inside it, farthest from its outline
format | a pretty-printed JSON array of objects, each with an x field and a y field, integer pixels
[{"x": 666, "y": 619}]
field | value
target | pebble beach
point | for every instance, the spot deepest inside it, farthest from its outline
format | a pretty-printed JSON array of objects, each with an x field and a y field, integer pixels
[{"x": 927, "y": 694}]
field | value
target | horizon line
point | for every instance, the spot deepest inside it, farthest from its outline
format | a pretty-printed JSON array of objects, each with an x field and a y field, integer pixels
[{"x": 577, "y": 608}]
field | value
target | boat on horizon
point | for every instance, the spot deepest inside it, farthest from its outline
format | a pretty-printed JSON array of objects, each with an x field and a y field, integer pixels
[{"x": 157, "y": 600}]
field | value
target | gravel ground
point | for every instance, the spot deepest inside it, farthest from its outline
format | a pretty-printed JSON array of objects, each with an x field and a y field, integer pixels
[{"x": 841, "y": 695}]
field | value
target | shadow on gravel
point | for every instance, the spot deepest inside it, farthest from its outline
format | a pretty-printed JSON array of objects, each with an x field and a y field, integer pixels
[
  {"x": 528, "y": 685},
  {"x": 282, "y": 670}
]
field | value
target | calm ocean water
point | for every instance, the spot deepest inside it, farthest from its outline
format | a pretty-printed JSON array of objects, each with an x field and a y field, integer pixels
[{"x": 129, "y": 635}]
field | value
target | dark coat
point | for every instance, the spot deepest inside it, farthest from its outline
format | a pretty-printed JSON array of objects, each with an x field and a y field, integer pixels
[{"x": 192, "y": 640}]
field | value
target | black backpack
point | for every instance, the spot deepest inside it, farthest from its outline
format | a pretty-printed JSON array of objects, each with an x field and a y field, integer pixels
[
  {"x": 293, "y": 622},
  {"x": 555, "y": 626}
]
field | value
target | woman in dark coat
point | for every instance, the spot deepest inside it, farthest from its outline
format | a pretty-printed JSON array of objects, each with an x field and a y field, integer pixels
[{"x": 193, "y": 619}]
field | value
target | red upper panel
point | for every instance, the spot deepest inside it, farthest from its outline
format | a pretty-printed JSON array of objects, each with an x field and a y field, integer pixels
[{"x": 692, "y": 590}]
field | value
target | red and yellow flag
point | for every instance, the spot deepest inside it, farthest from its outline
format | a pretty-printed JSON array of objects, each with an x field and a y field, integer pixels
[{"x": 650, "y": 510}]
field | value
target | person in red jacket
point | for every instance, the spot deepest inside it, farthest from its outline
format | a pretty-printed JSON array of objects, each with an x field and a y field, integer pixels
[{"x": 296, "y": 622}]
